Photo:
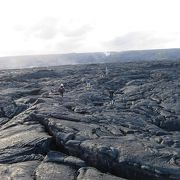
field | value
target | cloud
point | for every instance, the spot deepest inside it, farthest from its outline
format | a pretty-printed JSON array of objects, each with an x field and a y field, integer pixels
[
  {"x": 45, "y": 29},
  {"x": 138, "y": 40},
  {"x": 52, "y": 35},
  {"x": 80, "y": 31},
  {"x": 74, "y": 39},
  {"x": 50, "y": 27},
  {"x": 71, "y": 45}
]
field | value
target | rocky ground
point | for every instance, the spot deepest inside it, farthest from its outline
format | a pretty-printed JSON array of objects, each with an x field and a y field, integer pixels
[{"x": 82, "y": 136}]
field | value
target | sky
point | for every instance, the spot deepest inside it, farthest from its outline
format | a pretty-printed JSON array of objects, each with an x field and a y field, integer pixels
[{"x": 65, "y": 26}]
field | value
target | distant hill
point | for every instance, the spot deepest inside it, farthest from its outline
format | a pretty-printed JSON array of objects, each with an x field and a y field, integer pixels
[
  {"x": 86, "y": 58},
  {"x": 147, "y": 55}
]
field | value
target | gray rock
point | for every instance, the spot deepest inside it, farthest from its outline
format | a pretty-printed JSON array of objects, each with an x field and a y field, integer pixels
[
  {"x": 18, "y": 171},
  {"x": 137, "y": 137},
  {"x": 57, "y": 165},
  {"x": 93, "y": 174}
]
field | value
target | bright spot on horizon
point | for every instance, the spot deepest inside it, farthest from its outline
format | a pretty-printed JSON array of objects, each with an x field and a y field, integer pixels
[{"x": 59, "y": 26}]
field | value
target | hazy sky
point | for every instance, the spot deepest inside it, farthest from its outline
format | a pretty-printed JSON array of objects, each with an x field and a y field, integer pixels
[{"x": 62, "y": 26}]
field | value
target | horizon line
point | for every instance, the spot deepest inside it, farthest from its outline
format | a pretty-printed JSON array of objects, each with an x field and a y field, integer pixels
[{"x": 88, "y": 52}]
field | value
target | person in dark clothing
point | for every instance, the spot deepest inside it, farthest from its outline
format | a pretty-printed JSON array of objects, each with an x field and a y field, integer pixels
[
  {"x": 61, "y": 89},
  {"x": 111, "y": 96}
]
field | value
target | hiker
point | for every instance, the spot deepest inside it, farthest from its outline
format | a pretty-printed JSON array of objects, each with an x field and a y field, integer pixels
[
  {"x": 107, "y": 71},
  {"x": 88, "y": 85},
  {"x": 61, "y": 89},
  {"x": 111, "y": 96}
]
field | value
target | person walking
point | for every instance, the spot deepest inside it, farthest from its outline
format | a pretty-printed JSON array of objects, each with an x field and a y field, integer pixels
[
  {"x": 61, "y": 90},
  {"x": 111, "y": 96}
]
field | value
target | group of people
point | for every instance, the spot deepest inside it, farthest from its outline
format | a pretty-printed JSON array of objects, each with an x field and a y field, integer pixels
[{"x": 61, "y": 91}]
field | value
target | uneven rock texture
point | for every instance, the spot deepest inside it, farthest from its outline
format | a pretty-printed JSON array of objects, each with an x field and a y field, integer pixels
[{"x": 82, "y": 136}]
